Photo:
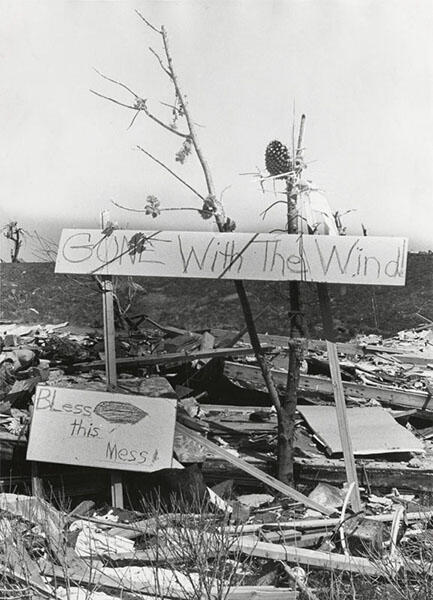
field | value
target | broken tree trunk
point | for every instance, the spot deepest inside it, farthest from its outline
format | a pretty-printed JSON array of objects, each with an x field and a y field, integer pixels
[{"x": 286, "y": 417}]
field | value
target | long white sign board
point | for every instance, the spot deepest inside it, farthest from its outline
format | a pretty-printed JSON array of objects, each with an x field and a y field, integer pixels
[
  {"x": 264, "y": 256},
  {"x": 101, "y": 429}
]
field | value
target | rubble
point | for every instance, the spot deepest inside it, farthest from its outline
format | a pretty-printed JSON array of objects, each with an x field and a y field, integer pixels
[{"x": 250, "y": 519}]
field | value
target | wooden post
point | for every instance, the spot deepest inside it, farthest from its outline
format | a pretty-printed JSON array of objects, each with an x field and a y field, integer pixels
[
  {"x": 109, "y": 333},
  {"x": 340, "y": 402},
  {"x": 110, "y": 361},
  {"x": 37, "y": 482}
]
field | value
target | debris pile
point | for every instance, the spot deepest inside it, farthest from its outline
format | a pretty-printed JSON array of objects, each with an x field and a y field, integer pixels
[
  {"x": 218, "y": 522},
  {"x": 259, "y": 550}
]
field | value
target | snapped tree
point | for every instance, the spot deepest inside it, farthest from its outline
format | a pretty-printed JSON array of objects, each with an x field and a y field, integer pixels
[{"x": 287, "y": 168}]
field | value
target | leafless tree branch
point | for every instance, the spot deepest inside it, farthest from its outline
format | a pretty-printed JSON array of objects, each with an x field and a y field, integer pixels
[
  {"x": 161, "y": 64},
  {"x": 133, "y": 119},
  {"x": 139, "y": 105},
  {"x": 265, "y": 212},
  {"x": 168, "y": 127},
  {"x": 116, "y": 82},
  {"x": 113, "y": 100},
  {"x": 219, "y": 214},
  {"x": 148, "y": 23},
  {"x": 170, "y": 209}
]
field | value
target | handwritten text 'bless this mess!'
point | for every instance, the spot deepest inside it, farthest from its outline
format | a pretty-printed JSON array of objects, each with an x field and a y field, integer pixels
[{"x": 84, "y": 426}]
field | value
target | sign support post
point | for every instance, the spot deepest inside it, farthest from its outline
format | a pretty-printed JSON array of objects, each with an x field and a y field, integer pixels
[
  {"x": 110, "y": 361},
  {"x": 37, "y": 483},
  {"x": 340, "y": 402},
  {"x": 334, "y": 365}
]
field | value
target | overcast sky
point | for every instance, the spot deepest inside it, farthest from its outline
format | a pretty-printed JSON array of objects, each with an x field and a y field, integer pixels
[{"x": 360, "y": 70}]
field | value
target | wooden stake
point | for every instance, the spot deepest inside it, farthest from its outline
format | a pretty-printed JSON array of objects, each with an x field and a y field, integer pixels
[
  {"x": 340, "y": 402},
  {"x": 109, "y": 333},
  {"x": 110, "y": 361},
  {"x": 37, "y": 482}
]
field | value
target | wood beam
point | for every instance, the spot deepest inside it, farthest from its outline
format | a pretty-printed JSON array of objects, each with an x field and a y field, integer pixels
[{"x": 315, "y": 384}]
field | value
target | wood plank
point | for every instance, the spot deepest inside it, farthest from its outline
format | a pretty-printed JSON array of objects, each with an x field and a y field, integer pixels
[
  {"x": 338, "y": 393},
  {"x": 236, "y": 427},
  {"x": 326, "y": 523},
  {"x": 149, "y": 583},
  {"x": 343, "y": 425},
  {"x": 301, "y": 540},
  {"x": 248, "y": 256},
  {"x": 347, "y": 348},
  {"x": 169, "y": 358},
  {"x": 260, "y": 592},
  {"x": 37, "y": 481},
  {"x": 169, "y": 583},
  {"x": 315, "y": 384},
  {"x": 110, "y": 355},
  {"x": 260, "y": 475},
  {"x": 314, "y": 558},
  {"x": 380, "y": 476}
]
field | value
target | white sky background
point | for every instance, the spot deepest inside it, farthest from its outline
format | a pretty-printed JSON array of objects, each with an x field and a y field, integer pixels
[{"x": 360, "y": 70}]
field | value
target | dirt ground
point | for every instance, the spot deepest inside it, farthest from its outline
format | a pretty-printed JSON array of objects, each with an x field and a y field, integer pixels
[{"x": 32, "y": 292}]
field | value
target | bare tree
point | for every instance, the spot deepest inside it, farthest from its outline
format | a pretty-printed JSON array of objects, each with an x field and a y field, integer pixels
[
  {"x": 211, "y": 207},
  {"x": 15, "y": 234}
]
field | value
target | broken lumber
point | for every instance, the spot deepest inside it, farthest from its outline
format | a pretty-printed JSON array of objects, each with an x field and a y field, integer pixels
[
  {"x": 167, "y": 359},
  {"x": 167, "y": 583},
  {"x": 316, "y": 384},
  {"x": 327, "y": 523},
  {"x": 346, "y": 348},
  {"x": 292, "y": 573},
  {"x": 260, "y": 475},
  {"x": 379, "y": 475},
  {"x": 314, "y": 558},
  {"x": 40, "y": 513},
  {"x": 260, "y": 592},
  {"x": 161, "y": 583}
]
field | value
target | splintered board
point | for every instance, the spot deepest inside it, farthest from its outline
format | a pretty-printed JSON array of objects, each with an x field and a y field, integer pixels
[
  {"x": 258, "y": 256},
  {"x": 102, "y": 429},
  {"x": 372, "y": 430}
]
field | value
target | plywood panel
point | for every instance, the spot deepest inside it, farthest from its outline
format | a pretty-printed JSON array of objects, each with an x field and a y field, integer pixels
[{"x": 372, "y": 430}]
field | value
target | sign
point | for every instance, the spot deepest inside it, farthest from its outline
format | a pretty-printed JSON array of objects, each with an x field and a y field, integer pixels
[
  {"x": 264, "y": 256},
  {"x": 101, "y": 429}
]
